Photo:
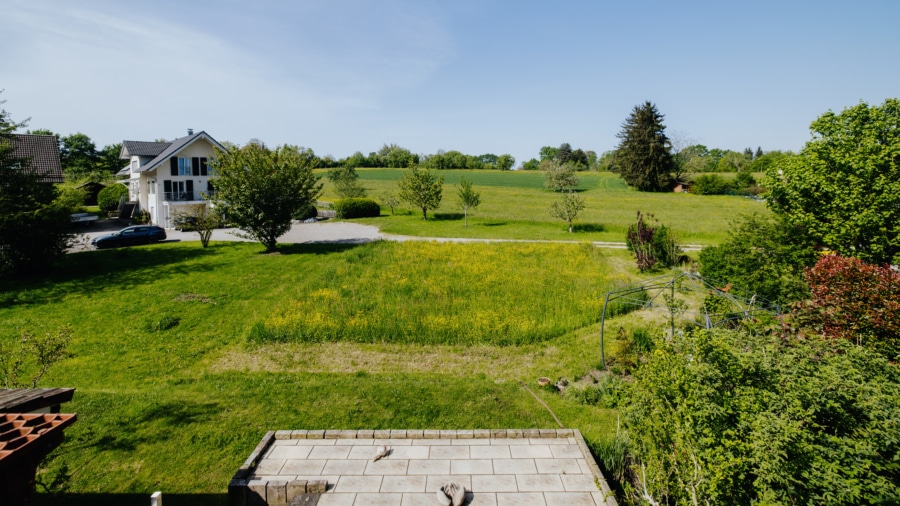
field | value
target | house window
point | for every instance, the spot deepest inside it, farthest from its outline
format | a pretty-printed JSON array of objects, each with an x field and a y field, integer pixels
[{"x": 184, "y": 166}]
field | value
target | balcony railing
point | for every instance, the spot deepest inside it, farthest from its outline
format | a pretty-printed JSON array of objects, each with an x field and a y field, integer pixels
[
  {"x": 187, "y": 196},
  {"x": 179, "y": 196}
]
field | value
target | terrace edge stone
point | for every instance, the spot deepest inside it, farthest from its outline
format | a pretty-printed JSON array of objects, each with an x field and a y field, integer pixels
[
  {"x": 276, "y": 493},
  {"x": 256, "y": 493},
  {"x": 237, "y": 492}
]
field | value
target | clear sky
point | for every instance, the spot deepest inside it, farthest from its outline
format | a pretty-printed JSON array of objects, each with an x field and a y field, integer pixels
[{"x": 504, "y": 76}]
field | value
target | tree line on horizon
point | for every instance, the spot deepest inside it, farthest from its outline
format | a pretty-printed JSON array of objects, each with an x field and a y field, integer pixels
[{"x": 83, "y": 160}]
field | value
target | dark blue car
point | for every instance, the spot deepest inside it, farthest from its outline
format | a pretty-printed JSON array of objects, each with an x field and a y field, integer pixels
[{"x": 130, "y": 236}]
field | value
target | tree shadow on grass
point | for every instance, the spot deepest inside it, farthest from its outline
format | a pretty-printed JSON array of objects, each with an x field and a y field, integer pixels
[
  {"x": 98, "y": 270},
  {"x": 588, "y": 227},
  {"x": 448, "y": 216},
  {"x": 493, "y": 224},
  {"x": 322, "y": 247},
  {"x": 64, "y": 499}
]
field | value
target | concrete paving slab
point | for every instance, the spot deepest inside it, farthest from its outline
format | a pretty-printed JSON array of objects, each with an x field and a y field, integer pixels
[{"x": 511, "y": 470}]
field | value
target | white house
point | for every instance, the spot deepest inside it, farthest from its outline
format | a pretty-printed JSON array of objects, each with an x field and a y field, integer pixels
[{"x": 164, "y": 178}]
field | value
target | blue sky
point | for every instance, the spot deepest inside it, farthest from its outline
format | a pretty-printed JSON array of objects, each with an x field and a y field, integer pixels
[{"x": 477, "y": 76}]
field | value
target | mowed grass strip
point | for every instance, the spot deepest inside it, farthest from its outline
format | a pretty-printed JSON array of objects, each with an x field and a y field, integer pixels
[
  {"x": 514, "y": 206},
  {"x": 439, "y": 293}
]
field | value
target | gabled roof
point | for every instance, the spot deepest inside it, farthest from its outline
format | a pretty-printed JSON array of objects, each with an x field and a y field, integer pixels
[
  {"x": 174, "y": 147},
  {"x": 43, "y": 151},
  {"x": 141, "y": 148}
]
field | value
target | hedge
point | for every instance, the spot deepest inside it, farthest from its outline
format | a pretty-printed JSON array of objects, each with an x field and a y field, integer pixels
[{"x": 357, "y": 208}]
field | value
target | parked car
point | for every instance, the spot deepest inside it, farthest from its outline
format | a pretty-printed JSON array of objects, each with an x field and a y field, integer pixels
[{"x": 130, "y": 236}]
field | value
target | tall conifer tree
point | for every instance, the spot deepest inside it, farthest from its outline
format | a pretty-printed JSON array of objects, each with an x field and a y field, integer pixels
[{"x": 644, "y": 155}]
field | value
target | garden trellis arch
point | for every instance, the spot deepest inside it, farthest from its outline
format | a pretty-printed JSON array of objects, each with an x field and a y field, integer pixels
[{"x": 686, "y": 297}]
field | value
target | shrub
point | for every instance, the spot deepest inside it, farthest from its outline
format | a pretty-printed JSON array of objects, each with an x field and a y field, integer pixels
[
  {"x": 763, "y": 256},
  {"x": 741, "y": 418},
  {"x": 652, "y": 245},
  {"x": 357, "y": 208},
  {"x": 856, "y": 301},
  {"x": 108, "y": 198},
  {"x": 306, "y": 213},
  {"x": 711, "y": 184}
]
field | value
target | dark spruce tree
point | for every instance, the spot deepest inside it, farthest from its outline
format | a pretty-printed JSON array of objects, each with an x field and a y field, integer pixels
[{"x": 644, "y": 155}]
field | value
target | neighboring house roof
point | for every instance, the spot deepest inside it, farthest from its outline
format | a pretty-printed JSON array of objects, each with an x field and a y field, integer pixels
[
  {"x": 141, "y": 148},
  {"x": 170, "y": 149},
  {"x": 43, "y": 151}
]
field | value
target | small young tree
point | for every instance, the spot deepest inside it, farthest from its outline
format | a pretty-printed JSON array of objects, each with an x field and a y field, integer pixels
[
  {"x": 346, "y": 182},
  {"x": 43, "y": 351},
  {"x": 567, "y": 208},
  {"x": 203, "y": 219},
  {"x": 389, "y": 199},
  {"x": 560, "y": 177},
  {"x": 421, "y": 188},
  {"x": 468, "y": 197},
  {"x": 260, "y": 190}
]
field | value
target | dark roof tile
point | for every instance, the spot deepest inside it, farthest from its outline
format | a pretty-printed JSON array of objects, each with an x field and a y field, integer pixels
[
  {"x": 43, "y": 150},
  {"x": 141, "y": 148}
]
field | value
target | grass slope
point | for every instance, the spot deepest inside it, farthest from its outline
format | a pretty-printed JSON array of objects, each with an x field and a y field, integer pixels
[
  {"x": 514, "y": 206},
  {"x": 179, "y": 410}
]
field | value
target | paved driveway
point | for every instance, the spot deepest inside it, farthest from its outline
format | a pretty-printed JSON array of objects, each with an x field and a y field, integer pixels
[{"x": 323, "y": 232}]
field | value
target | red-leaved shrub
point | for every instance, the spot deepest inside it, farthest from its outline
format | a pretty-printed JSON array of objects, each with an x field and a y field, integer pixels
[{"x": 856, "y": 301}]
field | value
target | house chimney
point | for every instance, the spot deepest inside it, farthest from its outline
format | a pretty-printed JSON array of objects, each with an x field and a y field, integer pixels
[{"x": 190, "y": 131}]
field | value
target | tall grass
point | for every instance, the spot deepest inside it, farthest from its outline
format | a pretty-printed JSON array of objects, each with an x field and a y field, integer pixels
[{"x": 435, "y": 293}]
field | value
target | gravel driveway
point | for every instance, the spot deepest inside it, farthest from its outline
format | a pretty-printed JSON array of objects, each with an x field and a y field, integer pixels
[{"x": 323, "y": 232}]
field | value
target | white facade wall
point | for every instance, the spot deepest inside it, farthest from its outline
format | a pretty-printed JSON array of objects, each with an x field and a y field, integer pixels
[{"x": 151, "y": 194}]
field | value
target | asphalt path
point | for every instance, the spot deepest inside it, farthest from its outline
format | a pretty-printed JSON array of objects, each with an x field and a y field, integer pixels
[{"x": 340, "y": 232}]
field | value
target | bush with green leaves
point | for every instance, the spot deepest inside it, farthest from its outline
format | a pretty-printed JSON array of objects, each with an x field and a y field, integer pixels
[
  {"x": 711, "y": 184},
  {"x": 729, "y": 417},
  {"x": 763, "y": 255},
  {"x": 108, "y": 198},
  {"x": 357, "y": 208}
]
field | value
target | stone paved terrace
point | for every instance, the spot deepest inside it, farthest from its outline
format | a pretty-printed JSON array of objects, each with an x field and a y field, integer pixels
[{"x": 498, "y": 467}]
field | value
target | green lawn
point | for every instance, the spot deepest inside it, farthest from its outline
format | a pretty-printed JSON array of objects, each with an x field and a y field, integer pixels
[
  {"x": 514, "y": 206},
  {"x": 179, "y": 410}
]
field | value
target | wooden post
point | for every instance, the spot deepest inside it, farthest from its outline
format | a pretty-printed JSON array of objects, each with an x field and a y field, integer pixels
[{"x": 156, "y": 499}]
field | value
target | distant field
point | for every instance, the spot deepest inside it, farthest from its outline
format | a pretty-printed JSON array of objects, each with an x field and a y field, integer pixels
[{"x": 514, "y": 206}]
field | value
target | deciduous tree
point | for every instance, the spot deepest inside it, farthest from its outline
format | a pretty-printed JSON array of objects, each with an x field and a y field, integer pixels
[
  {"x": 260, "y": 190},
  {"x": 203, "y": 219},
  {"x": 567, "y": 207},
  {"x": 421, "y": 188},
  {"x": 346, "y": 182},
  {"x": 762, "y": 255},
  {"x": 560, "y": 177},
  {"x": 844, "y": 186},
  {"x": 643, "y": 157},
  {"x": 505, "y": 162},
  {"x": 468, "y": 197}
]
